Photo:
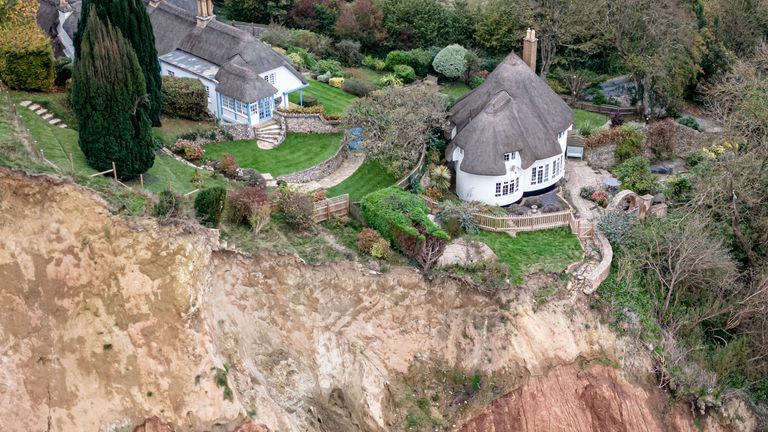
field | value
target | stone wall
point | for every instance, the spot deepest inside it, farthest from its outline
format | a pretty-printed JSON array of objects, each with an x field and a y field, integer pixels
[
  {"x": 308, "y": 123},
  {"x": 238, "y": 131},
  {"x": 318, "y": 171}
]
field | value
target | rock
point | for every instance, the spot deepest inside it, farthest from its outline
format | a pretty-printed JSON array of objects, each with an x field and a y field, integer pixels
[
  {"x": 252, "y": 177},
  {"x": 465, "y": 252},
  {"x": 252, "y": 427},
  {"x": 154, "y": 424},
  {"x": 661, "y": 169},
  {"x": 374, "y": 265},
  {"x": 659, "y": 199}
]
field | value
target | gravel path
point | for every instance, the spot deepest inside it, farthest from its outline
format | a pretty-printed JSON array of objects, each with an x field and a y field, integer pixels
[
  {"x": 578, "y": 174},
  {"x": 347, "y": 168}
]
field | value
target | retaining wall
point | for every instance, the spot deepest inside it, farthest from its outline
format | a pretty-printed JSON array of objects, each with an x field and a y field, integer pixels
[
  {"x": 318, "y": 171},
  {"x": 307, "y": 123}
]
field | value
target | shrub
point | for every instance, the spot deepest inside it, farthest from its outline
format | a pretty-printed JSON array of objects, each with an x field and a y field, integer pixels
[
  {"x": 418, "y": 59},
  {"x": 324, "y": 78},
  {"x": 308, "y": 59},
  {"x": 277, "y": 35},
  {"x": 661, "y": 138},
  {"x": 319, "y": 45},
  {"x": 184, "y": 98},
  {"x": 380, "y": 249},
  {"x": 679, "y": 188},
  {"x": 451, "y": 61},
  {"x": 628, "y": 146},
  {"x": 357, "y": 87},
  {"x": 402, "y": 218},
  {"x": 405, "y": 73},
  {"x": 297, "y": 207},
  {"x": 690, "y": 122},
  {"x": 616, "y": 226},
  {"x": 475, "y": 81},
  {"x": 167, "y": 205},
  {"x": 63, "y": 71},
  {"x": 458, "y": 217},
  {"x": 550, "y": 208},
  {"x": 209, "y": 205},
  {"x": 440, "y": 176},
  {"x": 26, "y": 57},
  {"x": 374, "y": 63},
  {"x": 607, "y": 136},
  {"x": 309, "y": 101},
  {"x": 326, "y": 65},
  {"x": 259, "y": 217},
  {"x": 617, "y": 119},
  {"x": 367, "y": 238},
  {"x": 319, "y": 195},
  {"x": 600, "y": 198},
  {"x": 586, "y": 192},
  {"x": 336, "y": 82},
  {"x": 188, "y": 150},
  {"x": 245, "y": 202},
  {"x": 635, "y": 175},
  {"x": 588, "y": 129},
  {"x": 296, "y": 60},
  {"x": 390, "y": 80},
  {"x": 227, "y": 165},
  {"x": 348, "y": 52}
]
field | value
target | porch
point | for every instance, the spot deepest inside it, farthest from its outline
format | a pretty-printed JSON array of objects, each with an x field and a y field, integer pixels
[{"x": 231, "y": 110}]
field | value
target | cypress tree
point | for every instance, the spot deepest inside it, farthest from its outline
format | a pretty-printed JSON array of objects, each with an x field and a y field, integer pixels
[
  {"x": 109, "y": 99},
  {"x": 131, "y": 17}
]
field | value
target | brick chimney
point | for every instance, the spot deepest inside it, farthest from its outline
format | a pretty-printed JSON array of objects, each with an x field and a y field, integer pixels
[
  {"x": 204, "y": 12},
  {"x": 530, "y": 45},
  {"x": 154, "y": 3}
]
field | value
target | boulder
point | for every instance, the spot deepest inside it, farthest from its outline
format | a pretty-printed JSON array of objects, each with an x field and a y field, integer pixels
[
  {"x": 154, "y": 424},
  {"x": 661, "y": 169},
  {"x": 466, "y": 253}
]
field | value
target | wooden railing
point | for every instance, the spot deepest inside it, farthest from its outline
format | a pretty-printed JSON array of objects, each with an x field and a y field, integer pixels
[
  {"x": 601, "y": 109},
  {"x": 515, "y": 224},
  {"x": 328, "y": 208},
  {"x": 405, "y": 181}
]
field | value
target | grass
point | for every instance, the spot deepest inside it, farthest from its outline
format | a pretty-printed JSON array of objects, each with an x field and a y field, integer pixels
[
  {"x": 296, "y": 153},
  {"x": 581, "y": 117},
  {"x": 370, "y": 177},
  {"x": 168, "y": 173},
  {"x": 57, "y": 103},
  {"x": 549, "y": 250},
  {"x": 455, "y": 90},
  {"x": 169, "y": 132},
  {"x": 364, "y": 74},
  {"x": 334, "y": 100}
]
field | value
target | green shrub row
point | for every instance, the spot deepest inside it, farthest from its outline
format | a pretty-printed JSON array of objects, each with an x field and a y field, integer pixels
[
  {"x": 26, "y": 58},
  {"x": 392, "y": 211},
  {"x": 184, "y": 98}
]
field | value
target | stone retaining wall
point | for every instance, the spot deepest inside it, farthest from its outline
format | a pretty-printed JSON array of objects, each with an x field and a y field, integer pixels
[
  {"x": 307, "y": 123},
  {"x": 318, "y": 171},
  {"x": 603, "y": 269},
  {"x": 238, "y": 131}
]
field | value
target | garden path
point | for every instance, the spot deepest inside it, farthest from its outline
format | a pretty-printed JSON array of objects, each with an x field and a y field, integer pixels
[
  {"x": 347, "y": 168},
  {"x": 42, "y": 112},
  {"x": 579, "y": 174}
]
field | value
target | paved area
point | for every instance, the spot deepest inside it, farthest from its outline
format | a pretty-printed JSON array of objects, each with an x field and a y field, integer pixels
[
  {"x": 347, "y": 168},
  {"x": 578, "y": 174}
]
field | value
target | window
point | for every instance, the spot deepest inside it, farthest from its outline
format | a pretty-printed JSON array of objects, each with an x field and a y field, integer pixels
[
  {"x": 254, "y": 108},
  {"x": 265, "y": 108},
  {"x": 269, "y": 78},
  {"x": 507, "y": 187},
  {"x": 546, "y": 172},
  {"x": 498, "y": 189},
  {"x": 242, "y": 108},
  {"x": 171, "y": 73},
  {"x": 228, "y": 103},
  {"x": 507, "y": 157},
  {"x": 539, "y": 174}
]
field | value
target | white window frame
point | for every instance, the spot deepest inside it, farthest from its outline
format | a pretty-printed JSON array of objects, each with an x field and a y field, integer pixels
[
  {"x": 507, "y": 157},
  {"x": 228, "y": 103},
  {"x": 242, "y": 107},
  {"x": 507, "y": 188},
  {"x": 171, "y": 73},
  {"x": 498, "y": 189}
]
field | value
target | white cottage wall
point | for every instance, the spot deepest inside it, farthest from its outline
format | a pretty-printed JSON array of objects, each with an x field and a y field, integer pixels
[{"x": 285, "y": 82}]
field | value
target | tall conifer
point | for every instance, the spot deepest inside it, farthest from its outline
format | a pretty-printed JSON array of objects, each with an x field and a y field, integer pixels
[
  {"x": 131, "y": 17},
  {"x": 109, "y": 99}
]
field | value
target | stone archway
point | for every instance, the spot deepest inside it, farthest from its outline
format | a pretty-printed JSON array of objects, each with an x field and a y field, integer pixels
[{"x": 629, "y": 201}]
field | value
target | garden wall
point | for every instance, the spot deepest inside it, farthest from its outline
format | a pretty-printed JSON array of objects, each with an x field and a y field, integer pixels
[
  {"x": 307, "y": 123},
  {"x": 603, "y": 269},
  {"x": 238, "y": 131},
  {"x": 318, "y": 171}
]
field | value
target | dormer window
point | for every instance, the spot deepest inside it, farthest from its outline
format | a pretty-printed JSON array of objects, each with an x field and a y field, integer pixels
[{"x": 507, "y": 157}]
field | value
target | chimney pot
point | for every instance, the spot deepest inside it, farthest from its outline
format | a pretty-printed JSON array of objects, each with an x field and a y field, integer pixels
[
  {"x": 530, "y": 46},
  {"x": 204, "y": 12}
]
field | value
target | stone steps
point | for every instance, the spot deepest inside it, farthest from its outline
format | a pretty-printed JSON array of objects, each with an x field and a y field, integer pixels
[{"x": 43, "y": 113}]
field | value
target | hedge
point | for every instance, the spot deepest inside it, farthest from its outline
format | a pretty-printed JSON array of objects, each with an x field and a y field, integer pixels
[
  {"x": 26, "y": 58},
  {"x": 184, "y": 98},
  {"x": 418, "y": 59},
  {"x": 209, "y": 205},
  {"x": 393, "y": 211}
]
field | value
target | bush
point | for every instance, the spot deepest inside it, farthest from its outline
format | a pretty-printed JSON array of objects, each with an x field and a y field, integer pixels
[
  {"x": 367, "y": 238},
  {"x": 635, "y": 175},
  {"x": 690, "y": 122},
  {"x": 458, "y": 217},
  {"x": 308, "y": 59},
  {"x": 309, "y": 101},
  {"x": 357, "y": 87},
  {"x": 297, "y": 207},
  {"x": 600, "y": 198},
  {"x": 475, "y": 81},
  {"x": 617, "y": 119},
  {"x": 324, "y": 78},
  {"x": 227, "y": 165},
  {"x": 661, "y": 138},
  {"x": 616, "y": 226},
  {"x": 63, "y": 71},
  {"x": 188, "y": 150},
  {"x": 26, "y": 57},
  {"x": 168, "y": 205},
  {"x": 607, "y": 136},
  {"x": 405, "y": 73},
  {"x": 629, "y": 146},
  {"x": 348, "y": 52},
  {"x": 380, "y": 249},
  {"x": 336, "y": 82},
  {"x": 586, "y": 192},
  {"x": 418, "y": 59},
  {"x": 325, "y": 66},
  {"x": 245, "y": 202},
  {"x": 451, "y": 61},
  {"x": 679, "y": 188},
  {"x": 390, "y": 80},
  {"x": 209, "y": 205},
  {"x": 374, "y": 63},
  {"x": 588, "y": 129},
  {"x": 277, "y": 35},
  {"x": 440, "y": 176},
  {"x": 296, "y": 61},
  {"x": 319, "y": 45},
  {"x": 402, "y": 218},
  {"x": 184, "y": 98}
]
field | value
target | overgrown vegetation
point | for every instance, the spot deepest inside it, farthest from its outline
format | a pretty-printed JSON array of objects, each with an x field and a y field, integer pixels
[{"x": 184, "y": 98}]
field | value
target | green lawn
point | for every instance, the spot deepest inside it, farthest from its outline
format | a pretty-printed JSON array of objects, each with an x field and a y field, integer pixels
[
  {"x": 296, "y": 153},
  {"x": 370, "y": 177},
  {"x": 455, "y": 90},
  {"x": 169, "y": 132},
  {"x": 334, "y": 100},
  {"x": 581, "y": 117},
  {"x": 365, "y": 74},
  {"x": 549, "y": 250},
  {"x": 168, "y": 173}
]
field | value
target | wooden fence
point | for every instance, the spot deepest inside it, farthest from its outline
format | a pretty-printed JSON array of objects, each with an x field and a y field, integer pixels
[
  {"x": 602, "y": 109},
  {"x": 328, "y": 208},
  {"x": 514, "y": 224},
  {"x": 405, "y": 181}
]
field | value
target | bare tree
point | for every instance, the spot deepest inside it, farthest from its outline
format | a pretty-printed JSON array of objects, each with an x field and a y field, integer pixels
[{"x": 576, "y": 82}]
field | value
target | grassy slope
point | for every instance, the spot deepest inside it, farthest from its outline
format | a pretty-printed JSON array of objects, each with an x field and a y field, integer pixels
[
  {"x": 334, "y": 100},
  {"x": 297, "y": 152},
  {"x": 581, "y": 117},
  {"x": 550, "y": 250},
  {"x": 370, "y": 177},
  {"x": 172, "y": 128},
  {"x": 57, "y": 103}
]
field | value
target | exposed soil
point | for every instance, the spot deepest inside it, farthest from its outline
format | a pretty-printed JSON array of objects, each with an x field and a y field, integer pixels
[{"x": 106, "y": 321}]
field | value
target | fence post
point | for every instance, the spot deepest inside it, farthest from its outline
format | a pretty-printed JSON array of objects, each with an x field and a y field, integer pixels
[
  {"x": 114, "y": 171},
  {"x": 141, "y": 179},
  {"x": 71, "y": 161}
]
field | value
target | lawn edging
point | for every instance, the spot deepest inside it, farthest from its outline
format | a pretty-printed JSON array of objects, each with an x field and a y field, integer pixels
[
  {"x": 320, "y": 170},
  {"x": 307, "y": 123}
]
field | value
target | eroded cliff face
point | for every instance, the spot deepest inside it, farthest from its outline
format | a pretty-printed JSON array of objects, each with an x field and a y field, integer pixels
[{"x": 105, "y": 321}]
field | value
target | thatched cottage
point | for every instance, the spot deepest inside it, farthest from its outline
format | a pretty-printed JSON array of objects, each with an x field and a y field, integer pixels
[
  {"x": 508, "y": 136},
  {"x": 245, "y": 79}
]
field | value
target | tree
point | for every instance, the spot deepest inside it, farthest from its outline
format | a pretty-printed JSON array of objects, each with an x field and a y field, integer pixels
[
  {"x": 110, "y": 102},
  {"x": 451, "y": 61},
  {"x": 130, "y": 16},
  {"x": 363, "y": 21},
  {"x": 417, "y": 23},
  {"x": 500, "y": 25},
  {"x": 317, "y": 16},
  {"x": 396, "y": 122},
  {"x": 258, "y": 11}
]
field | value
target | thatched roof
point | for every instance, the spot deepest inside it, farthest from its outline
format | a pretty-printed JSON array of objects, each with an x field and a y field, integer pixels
[
  {"x": 187, "y": 5},
  {"x": 512, "y": 111},
  {"x": 238, "y": 80}
]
